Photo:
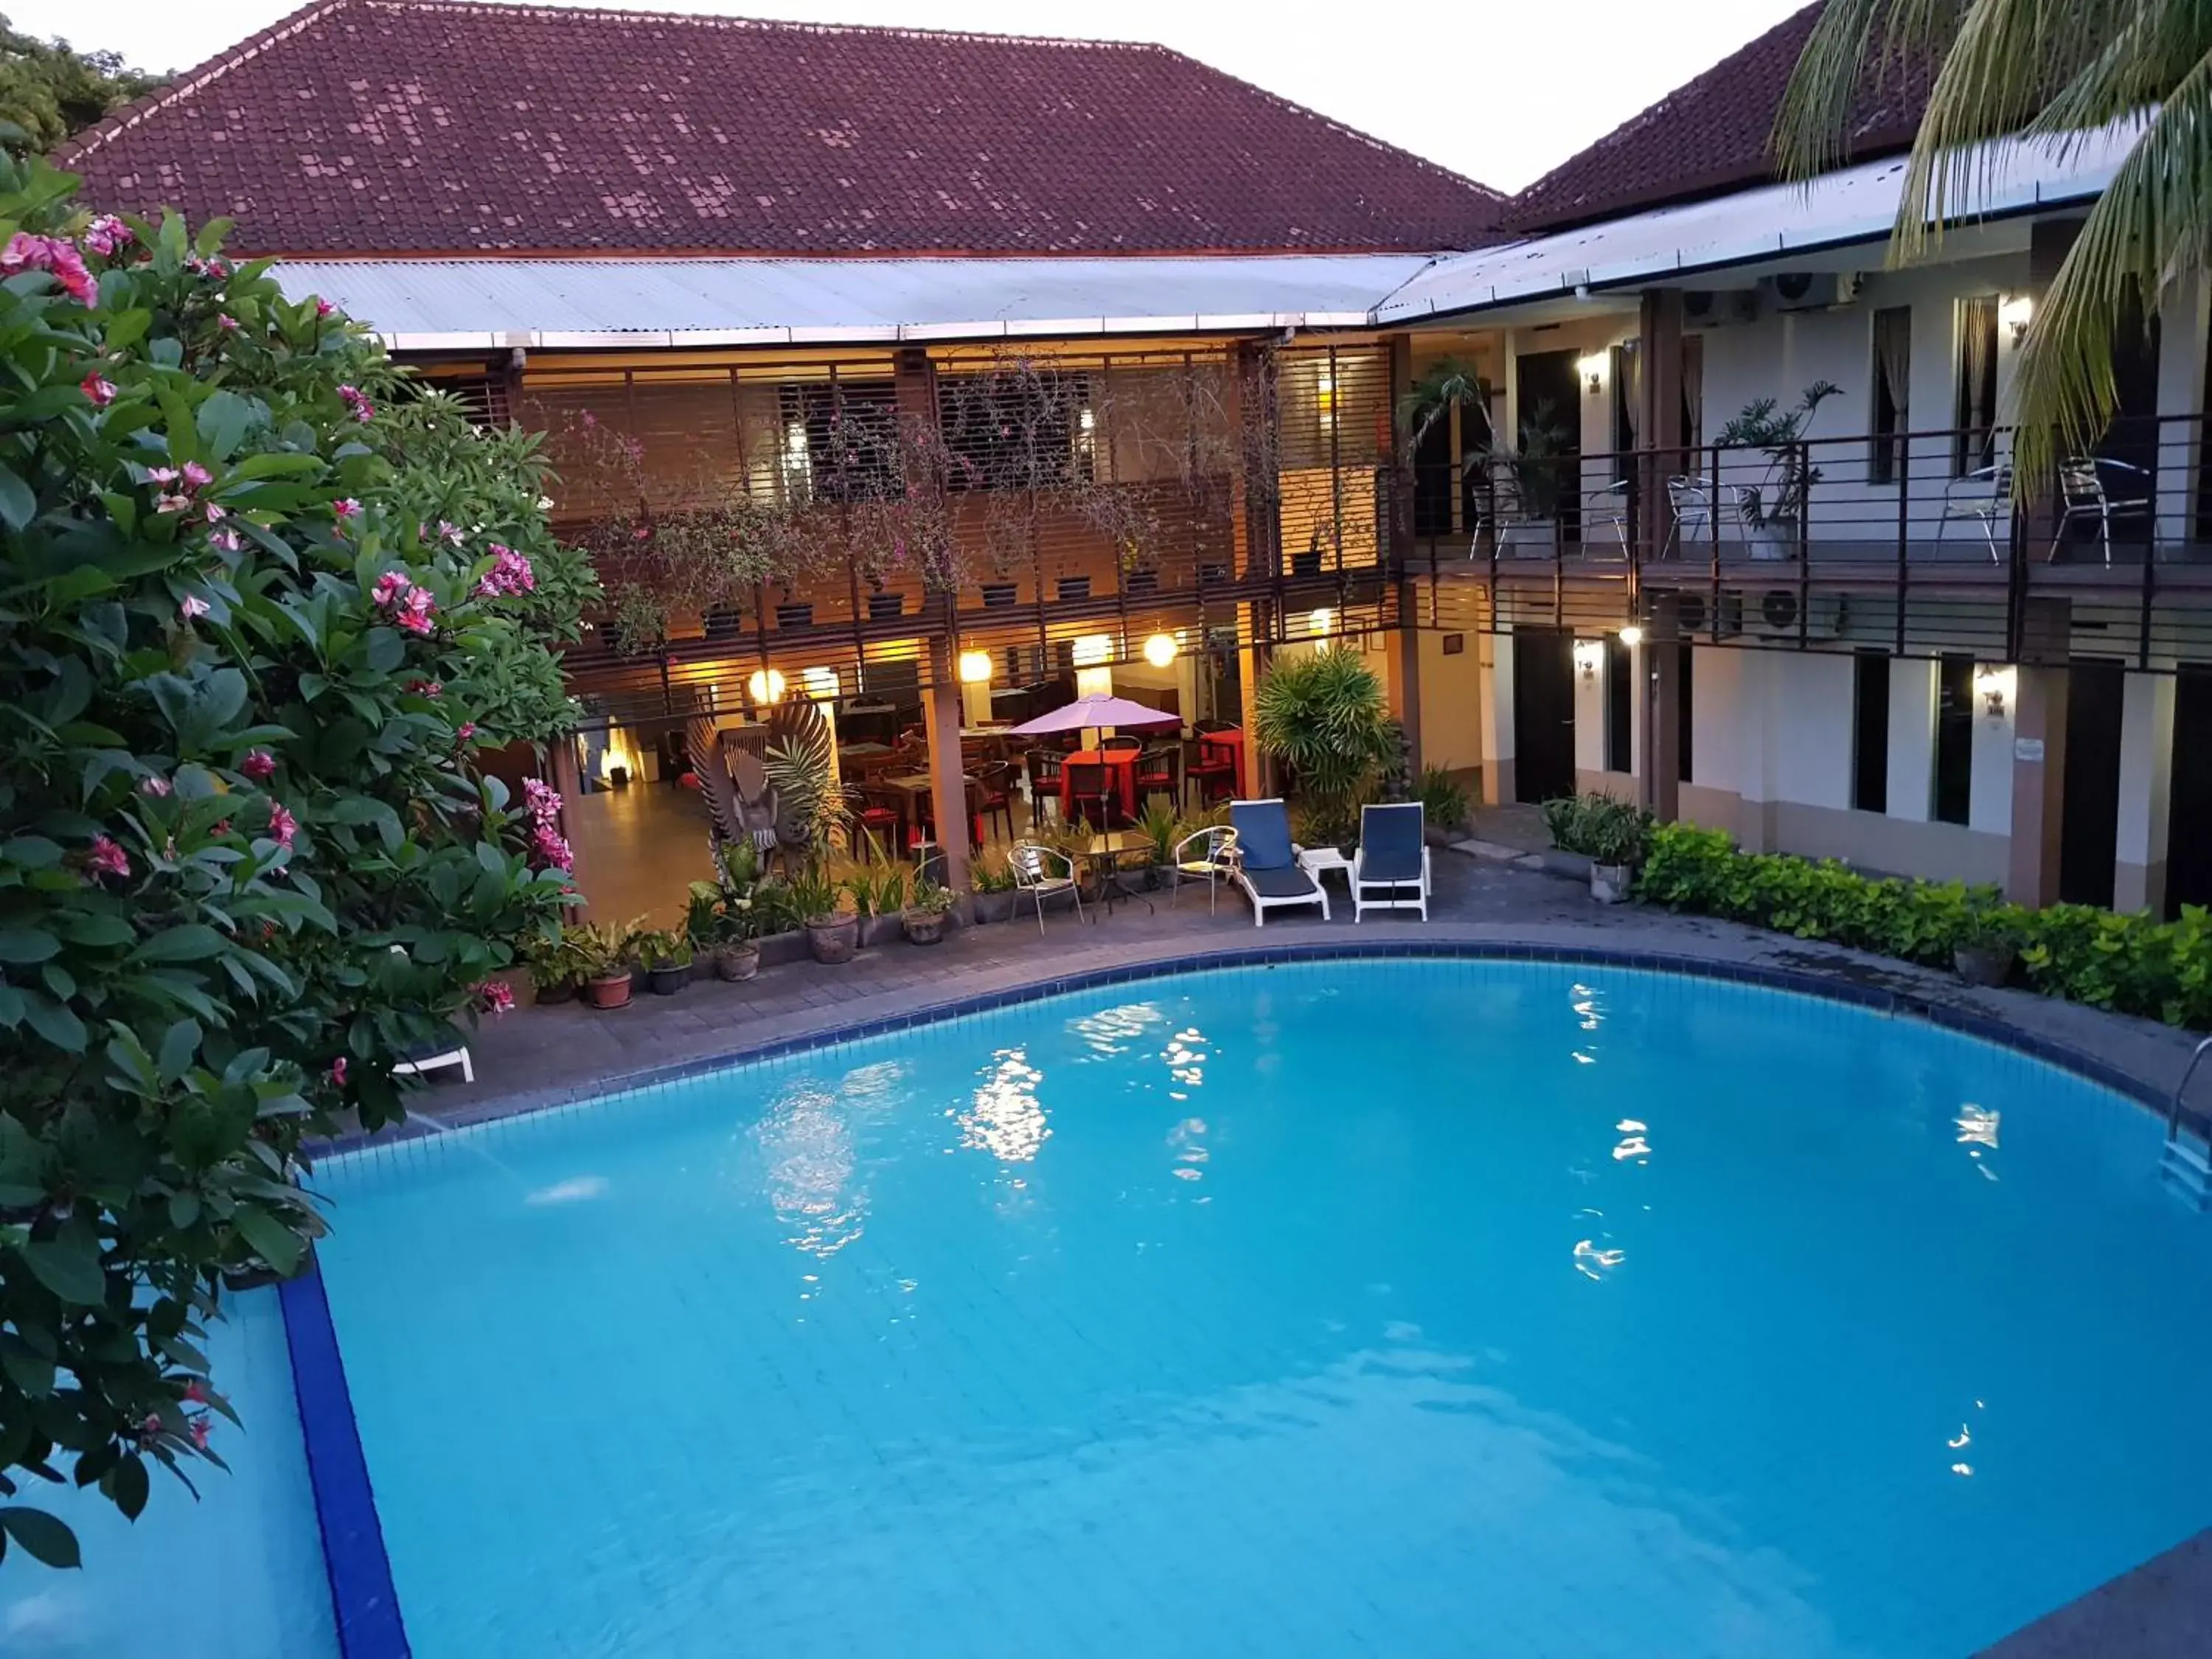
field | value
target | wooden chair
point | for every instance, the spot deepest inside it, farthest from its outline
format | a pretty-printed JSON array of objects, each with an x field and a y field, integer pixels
[
  {"x": 997, "y": 783},
  {"x": 879, "y": 819},
  {"x": 1214, "y": 771},
  {"x": 1044, "y": 767},
  {"x": 1092, "y": 794},
  {"x": 1159, "y": 771},
  {"x": 1121, "y": 744}
]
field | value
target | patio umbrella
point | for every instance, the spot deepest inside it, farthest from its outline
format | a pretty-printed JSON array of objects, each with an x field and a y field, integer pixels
[{"x": 1090, "y": 713}]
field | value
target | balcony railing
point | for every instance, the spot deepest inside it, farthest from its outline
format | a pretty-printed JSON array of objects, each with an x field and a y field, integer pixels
[{"x": 1920, "y": 538}]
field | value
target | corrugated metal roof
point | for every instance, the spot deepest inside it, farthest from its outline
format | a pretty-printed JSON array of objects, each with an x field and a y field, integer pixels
[
  {"x": 433, "y": 304},
  {"x": 1856, "y": 205}
]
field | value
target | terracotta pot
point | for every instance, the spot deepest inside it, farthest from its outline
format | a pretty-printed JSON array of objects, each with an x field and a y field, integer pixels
[
  {"x": 667, "y": 981},
  {"x": 561, "y": 991},
  {"x": 923, "y": 926},
  {"x": 833, "y": 939},
  {"x": 737, "y": 962},
  {"x": 1982, "y": 964},
  {"x": 608, "y": 990}
]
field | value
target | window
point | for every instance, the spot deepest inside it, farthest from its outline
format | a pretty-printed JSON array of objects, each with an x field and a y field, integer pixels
[
  {"x": 1023, "y": 429},
  {"x": 1893, "y": 371},
  {"x": 1620, "y": 705},
  {"x": 1870, "y": 732},
  {"x": 1683, "y": 721},
  {"x": 1975, "y": 412},
  {"x": 840, "y": 440},
  {"x": 1955, "y": 739}
]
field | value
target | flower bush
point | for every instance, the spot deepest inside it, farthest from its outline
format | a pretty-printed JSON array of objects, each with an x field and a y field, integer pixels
[
  {"x": 260, "y": 606},
  {"x": 2132, "y": 964}
]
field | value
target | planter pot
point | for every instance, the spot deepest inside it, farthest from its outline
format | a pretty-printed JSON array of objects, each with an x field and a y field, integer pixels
[
  {"x": 881, "y": 930},
  {"x": 667, "y": 981},
  {"x": 994, "y": 907},
  {"x": 1535, "y": 538},
  {"x": 1982, "y": 964},
  {"x": 923, "y": 926},
  {"x": 1773, "y": 540},
  {"x": 608, "y": 990},
  {"x": 1609, "y": 883},
  {"x": 737, "y": 962},
  {"x": 561, "y": 992},
  {"x": 833, "y": 939}
]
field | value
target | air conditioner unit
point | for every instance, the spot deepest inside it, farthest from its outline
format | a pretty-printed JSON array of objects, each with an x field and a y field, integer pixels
[
  {"x": 1692, "y": 615},
  {"x": 1718, "y": 307},
  {"x": 1813, "y": 290},
  {"x": 1773, "y": 616}
]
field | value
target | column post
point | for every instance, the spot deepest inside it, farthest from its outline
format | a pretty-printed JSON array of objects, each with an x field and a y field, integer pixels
[
  {"x": 2038, "y": 753},
  {"x": 1661, "y": 651},
  {"x": 1406, "y": 638},
  {"x": 915, "y": 386}
]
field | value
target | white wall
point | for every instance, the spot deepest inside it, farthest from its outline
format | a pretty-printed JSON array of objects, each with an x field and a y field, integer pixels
[
  {"x": 1912, "y": 774},
  {"x": 1989, "y": 806},
  {"x": 1811, "y": 700},
  {"x": 2146, "y": 778}
]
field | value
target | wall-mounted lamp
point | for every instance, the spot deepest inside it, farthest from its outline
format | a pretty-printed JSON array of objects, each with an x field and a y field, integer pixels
[
  {"x": 1632, "y": 636},
  {"x": 1160, "y": 650},
  {"x": 766, "y": 686},
  {"x": 975, "y": 667},
  {"x": 1593, "y": 368},
  {"x": 1590, "y": 657},
  {"x": 2016, "y": 312},
  {"x": 1321, "y": 623},
  {"x": 1994, "y": 686}
]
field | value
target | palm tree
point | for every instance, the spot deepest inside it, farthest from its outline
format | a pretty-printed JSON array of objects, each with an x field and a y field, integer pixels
[{"x": 2057, "y": 71}]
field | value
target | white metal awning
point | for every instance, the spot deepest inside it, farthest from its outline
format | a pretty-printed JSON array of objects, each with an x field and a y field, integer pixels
[
  {"x": 424, "y": 305},
  {"x": 1855, "y": 205}
]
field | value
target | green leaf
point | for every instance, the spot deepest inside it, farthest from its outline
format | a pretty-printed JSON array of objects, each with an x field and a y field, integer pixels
[
  {"x": 24, "y": 944},
  {"x": 69, "y": 1267},
  {"x": 53, "y": 1022},
  {"x": 47, "y": 1538},
  {"x": 126, "y": 1484},
  {"x": 222, "y": 423},
  {"x": 270, "y": 1239},
  {"x": 179, "y": 1045},
  {"x": 191, "y": 942},
  {"x": 18, "y": 506}
]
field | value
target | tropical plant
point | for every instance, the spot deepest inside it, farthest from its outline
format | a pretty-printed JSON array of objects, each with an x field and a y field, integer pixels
[
  {"x": 878, "y": 885},
  {"x": 1782, "y": 496},
  {"x": 246, "y": 859},
  {"x": 930, "y": 898},
  {"x": 1599, "y": 828},
  {"x": 775, "y": 907},
  {"x": 816, "y": 897},
  {"x": 2052, "y": 73},
  {"x": 1448, "y": 383},
  {"x": 708, "y": 922},
  {"x": 50, "y": 89},
  {"x": 607, "y": 948},
  {"x": 1161, "y": 827},
  {"x": 742, "y": 886},
  {"x": 1540, "y": 466},
  {"x": 555, "y": 959},
  {"x": 1444, "y": 803},
  {"x": 801, "y": 762},
  {"x": 990, "y": 871},
  {"x": 659, "y": 947},
  {"x": 1323, "y": 715}
]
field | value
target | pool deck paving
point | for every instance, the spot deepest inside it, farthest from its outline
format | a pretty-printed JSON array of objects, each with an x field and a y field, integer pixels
[{"x": 1489, "y": 895}]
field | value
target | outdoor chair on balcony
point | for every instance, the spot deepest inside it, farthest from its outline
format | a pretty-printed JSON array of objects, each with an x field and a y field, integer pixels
[
  {"x": 1208, "y": 855},
  {"x": 1043, "y": 872},
  {"x": 1603, "y": 510},
  {"x": 1984, "y": 496},
  {"x": 1693, "y": 500},
  {"x": 1267, "y": 867},
  {"x": 2086, "y": 496},
  {"x": 1392, "y": 861}
]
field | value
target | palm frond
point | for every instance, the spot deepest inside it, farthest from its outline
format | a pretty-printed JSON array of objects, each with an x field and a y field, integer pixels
[{"x": 2149, "y": 229}]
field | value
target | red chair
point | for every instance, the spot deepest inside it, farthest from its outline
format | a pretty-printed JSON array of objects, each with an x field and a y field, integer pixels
[
  {"x": 878, "y": 819},
  {"x": 997, "y": 782},
  {"x": 1091, "y": 792},
  {"x": 1044, "y": 766},
  {"x": 1214, "y": 772},
  {"x": 1157, "y": 771}
]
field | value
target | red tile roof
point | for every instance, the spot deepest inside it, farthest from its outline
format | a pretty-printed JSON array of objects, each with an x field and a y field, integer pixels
[
  {"x": 413, "y": 126},
  {"x": 1711, "y": 136}
]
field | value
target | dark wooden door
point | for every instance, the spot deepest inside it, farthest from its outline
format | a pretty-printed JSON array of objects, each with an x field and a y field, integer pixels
[
  {"x": 1543, "y": 713},
  {"x": 2189, "y": 804},
  {"x": 2089, "y": 836},
  {"x": 1551, "y": 393}
]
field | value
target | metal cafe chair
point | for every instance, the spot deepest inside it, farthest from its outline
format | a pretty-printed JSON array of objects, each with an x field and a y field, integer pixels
[
  {"x": 1694, "y": 505},
  {"x": 1044, "y": 872},
  {"x": 1983, "y": 495},
  {"x": 2084, "y": 495},
  {"x": 1208, "y": 855}
]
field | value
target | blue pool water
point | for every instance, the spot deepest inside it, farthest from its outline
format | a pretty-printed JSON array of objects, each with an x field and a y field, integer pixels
[
  {"x": 1413, "y": 1308},
  {"x": 237, "y": 1574}
]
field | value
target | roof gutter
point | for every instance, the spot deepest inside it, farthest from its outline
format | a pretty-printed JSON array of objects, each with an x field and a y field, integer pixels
[{"x": 898, "y": 334}]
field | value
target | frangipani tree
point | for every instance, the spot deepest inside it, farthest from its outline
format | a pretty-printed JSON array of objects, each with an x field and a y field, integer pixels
[
  {"x": 257, "y": 612},
  {"x": 2056, "y": 71}
]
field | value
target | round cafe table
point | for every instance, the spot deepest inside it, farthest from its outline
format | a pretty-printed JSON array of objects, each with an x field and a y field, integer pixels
[{"x": 1120, "y": 770}]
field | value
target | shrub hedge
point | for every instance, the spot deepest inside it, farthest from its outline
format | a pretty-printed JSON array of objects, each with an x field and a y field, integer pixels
[{"x": 2132, "y": 964}]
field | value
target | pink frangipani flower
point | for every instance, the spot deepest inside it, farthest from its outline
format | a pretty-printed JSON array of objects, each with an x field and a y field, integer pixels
[
  {"x": 99, "y": 391},
  {"x": 498, "y": 996},
  {"x": 283, "y": 826},
  {"x": 196, "y": 476},
  {"x": 346, "y": 507},
  {"x": 356, "y": 403},
  {"x": 192, "y": 607},
  {"x": 324, "y": 307},
  {"x": 57, "y": 257},
  {"x": 154, "y": 784},
  {"x": 227, "y": 323},
  {"x": 106, "y": 858},
  {"x": 338, "y": 1071},
  {"x": 260, "y": 765},
  {"x": 107, "y": 236}
]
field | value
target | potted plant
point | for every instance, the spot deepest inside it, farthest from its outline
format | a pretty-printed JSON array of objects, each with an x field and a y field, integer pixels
[
  {"x": 1162, "y": 828},
  {"x": 1535, "y": 475},
  {"x": 605, "y": 955},
  {"x": 1445, "y": 806},
  {"x": 1987, "y": 941},
  {"x": 992, "y": 879},
  {"x": 833, "y": 934},
  {"x": 1323, "y": 717},
  {"x": 665, "y": 956},
  {"x": 1618, "y": 839},
  {"x": 878, "y": 888},
  {"x": 725, "y": 920},
  {"x": 1773, "y": 510},
  {"x": 926, "y": 911},
  {"x": 557, "y": 964}
]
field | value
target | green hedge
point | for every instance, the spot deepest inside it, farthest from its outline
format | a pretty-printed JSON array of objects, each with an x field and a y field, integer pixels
[{"x": 2129, "y": 964}]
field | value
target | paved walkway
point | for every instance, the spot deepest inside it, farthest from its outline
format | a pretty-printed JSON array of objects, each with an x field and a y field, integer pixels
[{"x": 538, "y": 1055}]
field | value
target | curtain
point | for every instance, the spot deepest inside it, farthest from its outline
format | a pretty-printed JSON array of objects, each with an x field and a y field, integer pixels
[
  {"x": 1978, "y": 345},
  {"x": 1893, "y": 361},
  {"x": 1693, "y": 390},
  {"x": 1632, "y": 386}
]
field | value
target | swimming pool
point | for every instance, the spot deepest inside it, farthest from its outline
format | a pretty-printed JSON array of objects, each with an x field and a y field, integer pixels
[{"x": 1420, "y": 1306}]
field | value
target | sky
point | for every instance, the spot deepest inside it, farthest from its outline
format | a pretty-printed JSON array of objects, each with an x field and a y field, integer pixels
[{"x": 1500, "y": 92}]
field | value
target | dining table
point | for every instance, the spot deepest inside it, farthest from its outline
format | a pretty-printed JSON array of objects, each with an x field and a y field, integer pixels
[
  {"x": 1104, "y": 854},
  {"x": 1121, "y": 767}
]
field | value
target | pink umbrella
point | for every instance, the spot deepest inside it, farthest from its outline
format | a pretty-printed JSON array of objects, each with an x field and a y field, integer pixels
[{"x": 1090, "y": 713}]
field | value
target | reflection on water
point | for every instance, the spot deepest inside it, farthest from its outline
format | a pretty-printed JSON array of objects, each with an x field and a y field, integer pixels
[
  {"x": 1187, "y": 1140},
  {"x": 808, "y": 1144},
  {"x": 1185, "y": 1055},
  {"x": 1633, "y": 1142},
  {"x": 1114, "y": 1030},
  {"x": 1006, "y": 1119}
]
